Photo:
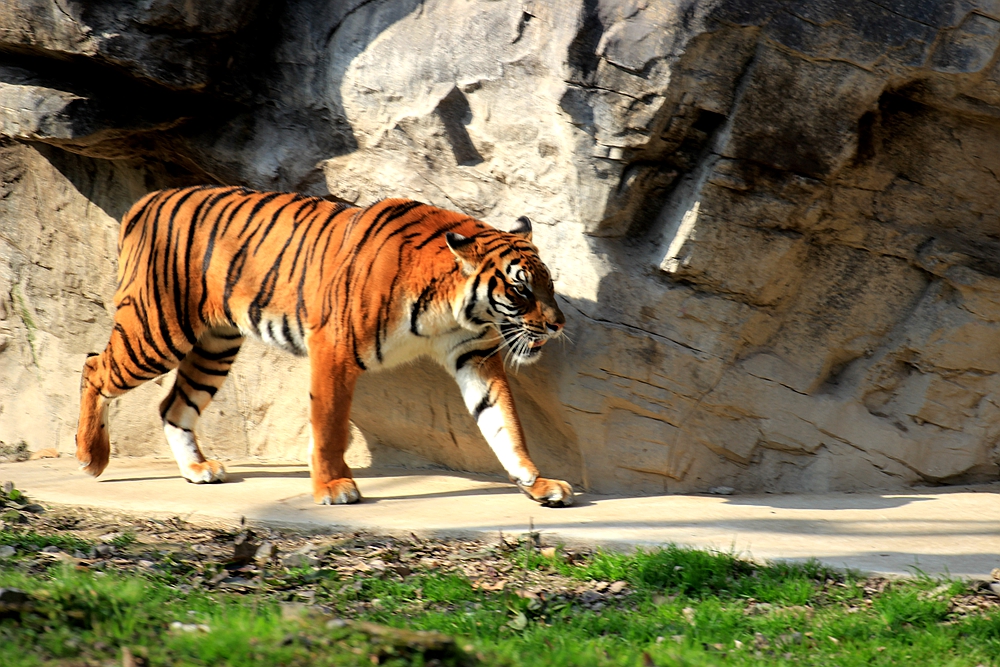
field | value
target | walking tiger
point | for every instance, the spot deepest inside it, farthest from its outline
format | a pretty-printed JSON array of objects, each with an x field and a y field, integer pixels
[{"x": 352, "y": 288}]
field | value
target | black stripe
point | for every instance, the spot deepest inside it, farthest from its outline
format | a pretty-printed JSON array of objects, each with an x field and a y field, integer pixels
[
  {"x": 357, "y": 359},
  {"x": 286, "y": 329},
  {"x": 177, "y": 426},
  {"x": 198, "y": 386},
  {"x": 264, "y": 200},
  {"x": 426, "y": 296},
  {"x": 219, "y": 372},
  {"x": 268, "y": 286},
  {"x": 133, "y": 220},
  {"x": 187, "y": 399},
  {"x": 201, "y": 213},
  {"x": 147, "y": 364},
  {"x": 305, "y": 235},
  {"x": 232, "y": 277},
  {"x": 472, "y": 354},
  {"x": 171, "y": 252},
  {"x": 206, "y": 261},
  {"x": 280, "y": 213},
  {"x": 216, "y": 356},
  {"x": 475, "y": 297},
  {"x": 441, "y": 232},
  {"x": 482, "y": 406}
]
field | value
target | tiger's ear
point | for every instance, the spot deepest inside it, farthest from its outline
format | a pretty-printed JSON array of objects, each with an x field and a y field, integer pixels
[
  {"x": 464, "y": 249},
  {"x": 522, "y": 228}
]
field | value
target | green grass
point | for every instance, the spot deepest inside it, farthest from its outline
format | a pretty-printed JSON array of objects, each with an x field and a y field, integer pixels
[
  {"x": 684, "y": 608},
  {"x": 82, "y": 616},
  {"x": 30, "y": 541}
]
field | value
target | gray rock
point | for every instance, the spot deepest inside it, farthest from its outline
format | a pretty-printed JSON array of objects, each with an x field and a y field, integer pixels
[
  {"x": 266, "y": 551},
  {"x": 102, "y": 551},
  {"x": 303, "y": 557},
  {"x": 773, "y": 233},
  {"x": 7, "y": 551}
]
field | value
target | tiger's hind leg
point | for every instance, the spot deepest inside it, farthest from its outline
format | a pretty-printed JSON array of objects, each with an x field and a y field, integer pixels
[
  {"x": 128, "y": 361},
  {"x": 199, "y": 376}
]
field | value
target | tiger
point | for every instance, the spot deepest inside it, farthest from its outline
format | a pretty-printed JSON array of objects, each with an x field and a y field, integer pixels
[{"x": 352, "y": 288}]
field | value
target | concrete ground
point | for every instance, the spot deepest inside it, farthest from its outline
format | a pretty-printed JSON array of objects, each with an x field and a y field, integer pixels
[{"x": 954, "y": 530}]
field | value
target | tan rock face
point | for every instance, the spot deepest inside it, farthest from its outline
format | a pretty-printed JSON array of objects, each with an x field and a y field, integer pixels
[{"x": 773, "y": 230}]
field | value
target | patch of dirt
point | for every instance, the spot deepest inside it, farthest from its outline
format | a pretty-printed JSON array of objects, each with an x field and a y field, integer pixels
[{"x": 294, "y": 565}]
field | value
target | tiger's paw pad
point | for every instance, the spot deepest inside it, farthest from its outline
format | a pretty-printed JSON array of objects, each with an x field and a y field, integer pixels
[
  {"x": 550, "y": 492},
  {"x": 337, "y": 492},
  {"x": 206, "y": 472}
]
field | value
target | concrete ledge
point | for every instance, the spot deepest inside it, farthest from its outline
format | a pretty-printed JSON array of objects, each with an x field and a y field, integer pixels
[{"x": 954, "y": 530}]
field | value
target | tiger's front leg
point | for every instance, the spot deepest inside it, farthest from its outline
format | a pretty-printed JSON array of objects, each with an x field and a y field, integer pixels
[
  {"x": 332, "y": 380},
  {"x": 487, "y": 395}
]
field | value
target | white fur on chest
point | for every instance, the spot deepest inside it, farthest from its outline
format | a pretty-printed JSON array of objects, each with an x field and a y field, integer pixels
[{"x": 438, "y": 336}]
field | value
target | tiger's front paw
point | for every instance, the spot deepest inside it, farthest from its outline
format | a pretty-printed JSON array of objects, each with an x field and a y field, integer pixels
[
  {"x": 206, "y": 472},
  {"x": 550, "y": 492},
  {"x": 341, "y": 491}
]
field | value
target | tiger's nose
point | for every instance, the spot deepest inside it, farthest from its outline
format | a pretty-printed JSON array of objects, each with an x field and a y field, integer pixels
[{"x": 554, "y": 327}]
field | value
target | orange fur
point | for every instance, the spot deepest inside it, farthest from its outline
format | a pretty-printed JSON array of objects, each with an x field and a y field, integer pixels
[{"x": 352, "y": 288}]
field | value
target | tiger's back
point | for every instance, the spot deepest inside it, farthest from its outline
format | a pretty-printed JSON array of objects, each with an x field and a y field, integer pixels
[
  {"x": 281, "y": 265},
  {"x": 351, "y": 288}
]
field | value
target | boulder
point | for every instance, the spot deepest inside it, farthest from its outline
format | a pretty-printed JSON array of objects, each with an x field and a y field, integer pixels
[{"x": 772, "y": 225}]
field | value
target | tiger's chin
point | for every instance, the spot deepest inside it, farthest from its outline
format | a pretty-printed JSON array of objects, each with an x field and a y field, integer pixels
[{"x": 528, "y": 354}]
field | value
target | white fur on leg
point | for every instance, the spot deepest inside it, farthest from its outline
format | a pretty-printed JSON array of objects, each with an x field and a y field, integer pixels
[
  {"x": 189, "y": 458},
  {"x": 492, "y": 425}
]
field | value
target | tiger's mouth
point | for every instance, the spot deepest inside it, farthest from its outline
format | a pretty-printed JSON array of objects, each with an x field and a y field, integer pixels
[{"x": 523, "y": 344}]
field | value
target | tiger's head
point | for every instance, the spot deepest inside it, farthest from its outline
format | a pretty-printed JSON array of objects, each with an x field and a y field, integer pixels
[{"x": 507, "y": 288}]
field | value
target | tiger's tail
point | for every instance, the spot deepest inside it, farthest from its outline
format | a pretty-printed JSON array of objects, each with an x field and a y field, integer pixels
[{"x": 93, "y": 445}]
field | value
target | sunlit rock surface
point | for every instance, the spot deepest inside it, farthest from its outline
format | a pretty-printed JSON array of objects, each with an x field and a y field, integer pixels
[{"x": 774, "y": 226}]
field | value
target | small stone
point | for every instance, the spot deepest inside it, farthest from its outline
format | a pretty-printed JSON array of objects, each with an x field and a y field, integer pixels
[
  {"x": 995, "y": 587},
  {"x": 51, "y": 549},
  {"x": 8, "y": 486},
  {"x": 995, "y": 574},
  {"x": 102, "y": 551},
  {"x": 304, "y": 557},
  {"x": 266, "y": 551},
  {"x": 722, "y": 490},
  {"x": 548, "y": 552},
  {"x": 13, "y": 516},
  {"x": 616, "y": 587},
  {"x": 6, "y": 551}
]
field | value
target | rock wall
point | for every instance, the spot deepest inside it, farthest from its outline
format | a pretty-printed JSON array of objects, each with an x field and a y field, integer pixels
[{"x": 773, "y": 226}]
